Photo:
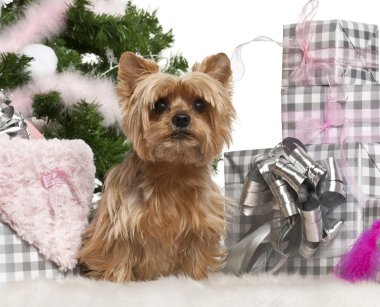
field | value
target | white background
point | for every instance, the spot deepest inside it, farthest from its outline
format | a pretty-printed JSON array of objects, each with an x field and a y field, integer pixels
[{"x": 202, "y": 28}]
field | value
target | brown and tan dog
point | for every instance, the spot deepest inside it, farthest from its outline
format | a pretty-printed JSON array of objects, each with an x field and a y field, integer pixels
[{"x": 161, "y": 213}]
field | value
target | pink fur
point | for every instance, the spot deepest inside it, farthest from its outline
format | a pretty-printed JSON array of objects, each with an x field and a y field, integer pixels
[
  {"x": 43, "y": 19},
  {"x": 72, "y": 86},
  {"x": 24, "y": 202},
  {"x": 22, "y": 100}
]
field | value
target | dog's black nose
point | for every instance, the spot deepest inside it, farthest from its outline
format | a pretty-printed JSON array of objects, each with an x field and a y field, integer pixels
[{"x": 181, "y": 120}]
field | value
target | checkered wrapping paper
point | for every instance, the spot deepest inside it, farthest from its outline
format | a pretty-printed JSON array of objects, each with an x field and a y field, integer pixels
[
  {"x": 361, "y": 159},
  {"x": 20, "y": 260},
  {"x": 360, "y": 108},
  {"x": 350, "y": 49}
]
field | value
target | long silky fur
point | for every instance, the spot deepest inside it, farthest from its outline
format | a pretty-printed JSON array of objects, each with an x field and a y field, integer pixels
[{"x": 161, "y": 213}]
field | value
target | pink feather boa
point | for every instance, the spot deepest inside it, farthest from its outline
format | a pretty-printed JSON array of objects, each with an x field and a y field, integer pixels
[
  {"x": 72, "y": 86},
  {"x": 43, "y": 19},
  {"x": 46, "y": 19}
]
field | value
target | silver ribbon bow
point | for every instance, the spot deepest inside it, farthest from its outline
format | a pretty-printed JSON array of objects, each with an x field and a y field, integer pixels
[
  {"x": 11, "y": 122},
  {"x": 289, "y": 196}
]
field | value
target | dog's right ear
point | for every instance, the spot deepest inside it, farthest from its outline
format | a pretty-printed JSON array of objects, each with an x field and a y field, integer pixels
[{"x": 133, "y": 68}]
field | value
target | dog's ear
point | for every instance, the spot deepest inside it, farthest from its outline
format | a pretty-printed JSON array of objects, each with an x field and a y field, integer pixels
[
  {"x": 133, "y": 68},
  {"x": 217, "y": 66}
]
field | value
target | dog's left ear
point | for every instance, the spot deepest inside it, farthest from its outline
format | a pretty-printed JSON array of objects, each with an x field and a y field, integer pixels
[
  {"x": 217, "y": 66},
  {"x": 133, "y": 68}
]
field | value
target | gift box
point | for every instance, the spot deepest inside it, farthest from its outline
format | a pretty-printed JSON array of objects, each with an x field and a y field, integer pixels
[
  {"x": 322, "y": 114},
  {"x": 20, "y": 260},
  {"x": 46, "y": 192},
  {"x": 360, "y": 161},
  {"x": 329, "y": 53}
]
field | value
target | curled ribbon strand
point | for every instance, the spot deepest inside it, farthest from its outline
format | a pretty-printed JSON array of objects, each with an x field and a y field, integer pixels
[
  {"x": 319, "y": 62},
  {"x": 12, "y": 122},
  {"x": 295, "y": 194},
  {"x": 237, "y": 64}
]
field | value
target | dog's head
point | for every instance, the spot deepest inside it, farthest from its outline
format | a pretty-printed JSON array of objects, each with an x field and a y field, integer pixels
[{"x": 183, "y": 119}]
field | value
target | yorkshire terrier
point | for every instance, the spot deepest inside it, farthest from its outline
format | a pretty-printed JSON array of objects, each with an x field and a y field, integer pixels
[{"x": 160, "y": 212}]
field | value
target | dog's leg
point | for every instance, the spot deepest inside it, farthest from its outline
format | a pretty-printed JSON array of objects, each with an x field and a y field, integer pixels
[
  {"x": 106, "y": 253},
  {"x": 199, "y": 258}
]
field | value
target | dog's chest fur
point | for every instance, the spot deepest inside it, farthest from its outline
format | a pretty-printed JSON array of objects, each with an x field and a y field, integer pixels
[
  {"x": 173, "y": 201},
  {"x": 177, "y": 209}
]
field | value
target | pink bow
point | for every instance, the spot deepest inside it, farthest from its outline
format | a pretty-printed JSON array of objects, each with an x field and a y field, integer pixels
[
  {"x": 304, "y": 31},
  {"x": 309, "y": 128},
  {"x": 49, "y": 181}
]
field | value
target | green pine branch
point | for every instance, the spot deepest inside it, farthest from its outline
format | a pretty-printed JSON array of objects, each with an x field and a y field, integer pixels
[
  {"x": 137, "y": 31},
  {"x": 67, "y": 58},
  {"x": 13, "y": 70},
  {"x": 177, "y": 65},
  {"x": 13, "y": 11}
]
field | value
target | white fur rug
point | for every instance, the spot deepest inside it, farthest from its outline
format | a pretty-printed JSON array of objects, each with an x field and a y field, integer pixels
[{"x": 219, "y": 290}]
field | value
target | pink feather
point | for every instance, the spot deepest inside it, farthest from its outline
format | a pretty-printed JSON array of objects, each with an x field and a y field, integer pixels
[
  {"x": 362, "y": 261},
  {"x": 43, "y": 19}
]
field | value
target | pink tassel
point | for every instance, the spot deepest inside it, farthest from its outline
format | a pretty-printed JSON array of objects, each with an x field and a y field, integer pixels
[{"x": 362, "y": 261}]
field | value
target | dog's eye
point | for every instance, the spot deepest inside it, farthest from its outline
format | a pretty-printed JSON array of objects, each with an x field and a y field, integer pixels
[
  {"x": 161, "y": 106},
  {"x": 199, "y": 105}
]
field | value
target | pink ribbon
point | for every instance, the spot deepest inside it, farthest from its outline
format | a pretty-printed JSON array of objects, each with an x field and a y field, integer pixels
[
  {"x": 308, "y": 128},
  {"x": 355, "y": 188},
  {"x": 323, "y": 126},
  {"x": 304, "y": 31},
  {"x": 323, "y": 58},
  {"x": 335, "y": 119},
  {"x": 50, "y": 181}
]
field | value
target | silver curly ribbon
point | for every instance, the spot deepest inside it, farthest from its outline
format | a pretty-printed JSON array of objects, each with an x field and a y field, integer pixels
[
  {"x": 12, "y": 122},
  {"x": 96, "y": 196},
  {"x": 290, "y": 195}
]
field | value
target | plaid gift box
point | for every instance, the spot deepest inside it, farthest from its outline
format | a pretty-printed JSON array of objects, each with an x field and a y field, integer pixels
[
  {"x": 20, "y": 260},
  {"x": 361, "y": 159},
  {"x": 322, "y": 114},
  {"x": 330, "y": 52}
]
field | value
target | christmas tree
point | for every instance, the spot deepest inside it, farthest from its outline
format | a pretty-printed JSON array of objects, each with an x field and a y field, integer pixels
[{"x": 58, "y": 66}]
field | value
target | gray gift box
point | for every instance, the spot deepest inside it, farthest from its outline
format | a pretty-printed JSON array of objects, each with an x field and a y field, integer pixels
[
  {"x": 322, "y": 114},
  {"x": 20, "y": 260},
  {"x": 335, "y": 52},
  {"x": 361, "y": 159}
]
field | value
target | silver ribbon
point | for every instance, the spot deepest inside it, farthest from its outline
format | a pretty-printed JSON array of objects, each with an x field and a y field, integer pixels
[
  {"x": 11, "y": 122},
  {"x": 291, "y": 195},
  {"x": 97, "y": 195}
]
